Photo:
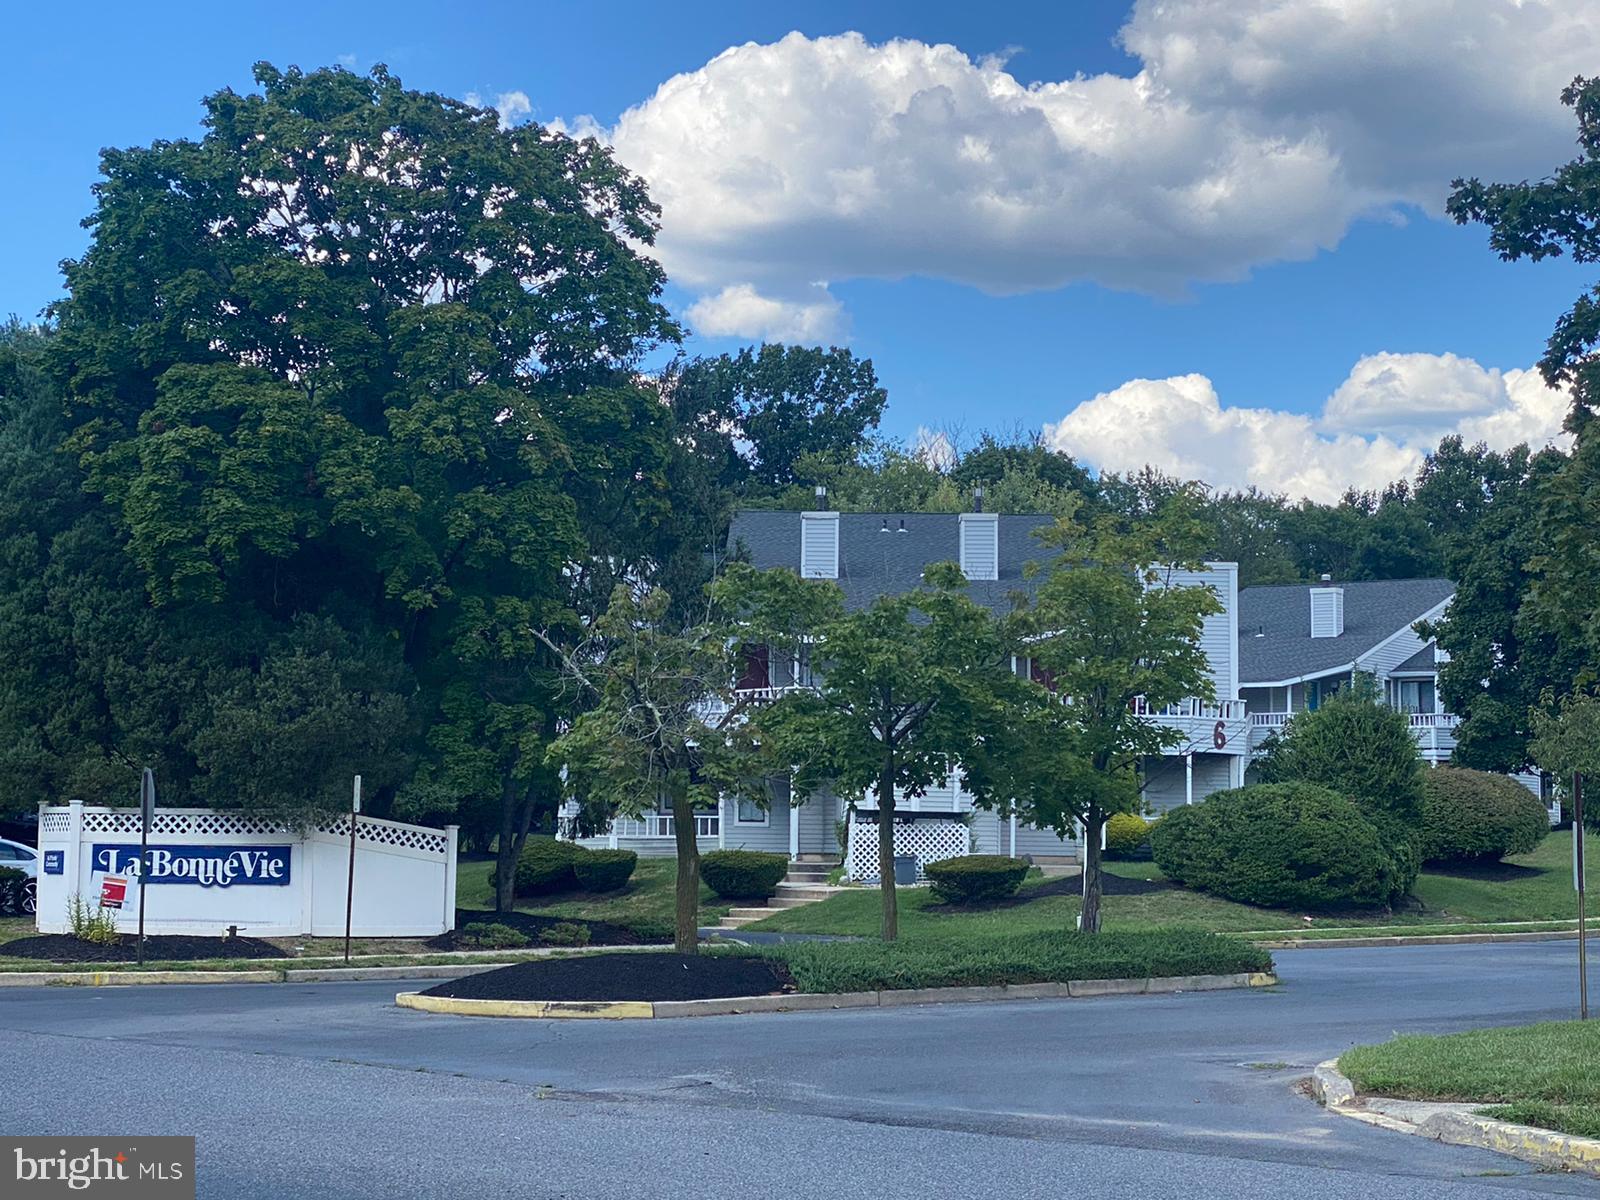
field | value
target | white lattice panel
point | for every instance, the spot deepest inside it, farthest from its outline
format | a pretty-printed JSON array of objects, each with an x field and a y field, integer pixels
[
  {"x": 389, "y": 833},
  {"x": 206, "y": 823},
  {"x": 929, "y": 840}
]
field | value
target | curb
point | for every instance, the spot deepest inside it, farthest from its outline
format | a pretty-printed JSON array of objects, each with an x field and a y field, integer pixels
[
  {"x": 132, "y": 978},
  {"x": 1542, "y": 1147},
  {"x": 1434, "y": 939},
  {"x": 827, "y": 1001}
]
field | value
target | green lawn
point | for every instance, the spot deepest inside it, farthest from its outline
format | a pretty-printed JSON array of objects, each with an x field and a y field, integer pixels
[
  {"x": 646, "y": 904},
  {"x": 1533, "y": 887},
  {"x": 1546, "y": 1075}
]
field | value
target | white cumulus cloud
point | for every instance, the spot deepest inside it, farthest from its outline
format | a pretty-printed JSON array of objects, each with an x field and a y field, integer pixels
[
  {"x": 1254, "y": 131},
  {"x": 741, "y": 311},
  {"x": 1375, "y": 428}
]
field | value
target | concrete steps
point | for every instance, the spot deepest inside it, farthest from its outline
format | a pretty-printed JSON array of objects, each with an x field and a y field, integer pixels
[{"x": 805, "y": 884}]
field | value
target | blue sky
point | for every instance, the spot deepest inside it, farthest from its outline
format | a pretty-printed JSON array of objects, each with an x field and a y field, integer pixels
[{"x": 1273, "y": 297}]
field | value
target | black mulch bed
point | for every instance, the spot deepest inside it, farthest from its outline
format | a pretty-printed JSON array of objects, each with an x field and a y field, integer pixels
[
  {"x": 624, "y": 977},
  {"x": 166, "y": 947},
  {"x": 1065, "y": 885},
  {"x": 601, "y": 933}
]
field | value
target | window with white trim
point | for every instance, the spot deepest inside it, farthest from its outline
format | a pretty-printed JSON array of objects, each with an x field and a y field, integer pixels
[{"x": 748, "y": 811}]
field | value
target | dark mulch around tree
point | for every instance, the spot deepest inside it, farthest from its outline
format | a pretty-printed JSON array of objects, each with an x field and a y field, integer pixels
[
  {"x": 624, "y": 977},
  {"x": 601, "y": 933},
  {"x": 1064, "y": 885},
  {"x": 166, "y": 947}
]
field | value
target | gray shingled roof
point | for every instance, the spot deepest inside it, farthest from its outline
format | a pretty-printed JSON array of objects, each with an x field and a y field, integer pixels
[
  {"x": 1275, "y": 639},
  {"x": 1422, "y": 660},
  {"x": 874, "y": 563}
]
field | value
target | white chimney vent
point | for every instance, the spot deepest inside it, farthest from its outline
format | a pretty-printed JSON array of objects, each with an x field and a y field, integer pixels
[
  {"x": 980, "y": 545},
  {"x": 819, "y": 545},
  {"x": 1327, "y": 611}
]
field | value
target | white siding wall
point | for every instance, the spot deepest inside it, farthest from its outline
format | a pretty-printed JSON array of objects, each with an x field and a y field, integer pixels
[
  {"x": 1219, "y": 635},
  {"x": 1165, "y": 785},
  {"x": 980, "y": 545},
  {"x": 819, "y": 545},
  {"x": 1382, "y": 659}
]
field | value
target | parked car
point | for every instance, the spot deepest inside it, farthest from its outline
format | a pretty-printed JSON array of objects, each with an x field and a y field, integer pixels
[{"x": 19, "y": 857}]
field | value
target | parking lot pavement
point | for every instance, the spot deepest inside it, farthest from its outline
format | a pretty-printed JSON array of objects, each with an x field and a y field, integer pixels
[{"x": 329, "y": 1090}]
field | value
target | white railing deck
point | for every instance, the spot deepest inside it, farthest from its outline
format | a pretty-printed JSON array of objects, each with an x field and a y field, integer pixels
[
  {"x": 1433, "y": 731},
  {"x": 661, "y": 825},
  {"x": 1194, "y": 709}
]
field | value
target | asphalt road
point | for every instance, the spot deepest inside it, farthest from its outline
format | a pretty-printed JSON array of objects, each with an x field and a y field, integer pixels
[{"x": 327, "y": 1090}]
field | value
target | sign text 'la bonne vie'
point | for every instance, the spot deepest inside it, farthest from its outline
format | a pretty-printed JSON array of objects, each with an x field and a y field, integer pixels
[{"x": 207, "y": 866}]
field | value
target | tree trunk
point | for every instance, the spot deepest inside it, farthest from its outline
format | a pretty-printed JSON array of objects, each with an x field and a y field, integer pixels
[
  {"x": 686, "y": 915},
  {"x": 1093, "y": 823},
  {"x": 516, "y": 817},
  {"x": 891, "y": 910}
]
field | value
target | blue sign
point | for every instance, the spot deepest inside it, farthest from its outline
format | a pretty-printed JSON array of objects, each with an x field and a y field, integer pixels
[
  {"x": 205, "y": 866},
  {"x": 55, "y": 862}
]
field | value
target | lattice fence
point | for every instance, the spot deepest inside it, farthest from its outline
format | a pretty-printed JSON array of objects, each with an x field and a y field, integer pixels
[
  {"x": 930, "y": 840},
  {"x": 205, "y": 823}
]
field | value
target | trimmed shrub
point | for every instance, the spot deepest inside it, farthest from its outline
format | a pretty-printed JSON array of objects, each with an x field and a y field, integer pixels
[
  {"x": 487, "y": 935},
  {"x": 1363, "y": 750},
  {"x": 565, "y": 933},
  {"x": 1125, "y": 834},
  {"x": 13, "y": 884},
  {"x": 743, "y": 874},
  {"x": 1278, "y": 845},
  {"x": 546, "y": 867},
  {"x": 604, "y": 870},
  {"x": 975, "y": 877},
  {"x": 1473, "y": 816}
]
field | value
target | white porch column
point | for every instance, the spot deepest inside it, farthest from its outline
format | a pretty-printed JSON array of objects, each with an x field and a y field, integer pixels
[
  {"x": 1188, "y": 778},
  {"x": 452, "y": 835},
  {"x": 794, "y": 826},
  {"x": 722, "y": 821},
  {"x": 611, "y": 834},
  {"x": 1013, "y": 835}
]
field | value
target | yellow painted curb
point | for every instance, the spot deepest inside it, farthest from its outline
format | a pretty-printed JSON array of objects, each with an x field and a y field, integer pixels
[
  {"x": 1263, "y": 979},
  {"x": 575, "y": 1009}
]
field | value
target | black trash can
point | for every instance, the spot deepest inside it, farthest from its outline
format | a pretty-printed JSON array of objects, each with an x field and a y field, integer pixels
[{"x": 905, "y": 870}]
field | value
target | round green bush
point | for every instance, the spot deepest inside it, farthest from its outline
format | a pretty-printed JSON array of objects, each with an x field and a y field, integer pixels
[
  {"x": 1278, "y": 845},
  {"x": 604, "y": 870},
  {"x": 546, "y": 867},
  {"x": 1125, "y": 834},
  {"x": 975, "y": 877},
  {"x": 1474, "y": 816},
  {"x": 743, "y": 874}
]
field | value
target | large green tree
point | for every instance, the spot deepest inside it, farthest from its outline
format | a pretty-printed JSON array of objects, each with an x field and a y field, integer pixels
[
  {"x": 1112, "y": 638},
  {"x": 905, "y": 688},
  {"x": 1558, "y": 629},
  {"x": 361, "y": 348}
]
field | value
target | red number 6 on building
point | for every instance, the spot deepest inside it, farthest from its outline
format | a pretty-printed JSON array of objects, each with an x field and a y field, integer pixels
[{"x": 1219, "y": 735}]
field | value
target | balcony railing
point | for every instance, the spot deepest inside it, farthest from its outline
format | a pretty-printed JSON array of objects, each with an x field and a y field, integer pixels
[
  {"x": 660, "y": 825},
  {"x": 1193, "y": 709}
]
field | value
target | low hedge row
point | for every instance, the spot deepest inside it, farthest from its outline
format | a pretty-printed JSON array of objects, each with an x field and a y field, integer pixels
[
  {"x": 975, "y": 877},
  {"x": 743, "y": 874},
  {"x": 1047, "y": 957},
  {"x": 548, "y": 867},
  {"x": 1473, "y": 816}
]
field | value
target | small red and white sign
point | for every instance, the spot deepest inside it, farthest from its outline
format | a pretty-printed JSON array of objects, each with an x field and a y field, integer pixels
[{"x": 113, "y": 891}]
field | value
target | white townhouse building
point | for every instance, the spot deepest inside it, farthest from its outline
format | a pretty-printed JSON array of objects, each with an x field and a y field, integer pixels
[
  {"x": 1300, "y": 643},
  {"x": 1273, "y": 651},
  {"x": 876, "y": 554}
]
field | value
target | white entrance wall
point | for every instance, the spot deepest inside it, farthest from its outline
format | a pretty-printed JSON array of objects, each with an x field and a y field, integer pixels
[{"x": 405, "y": 875}]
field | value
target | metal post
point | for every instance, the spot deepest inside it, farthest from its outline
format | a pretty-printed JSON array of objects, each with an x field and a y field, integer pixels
[
  {"x": 147, "y": 810},
  {"x": 1577, "y": 879},
  {"x": 350, "y": 885}
]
